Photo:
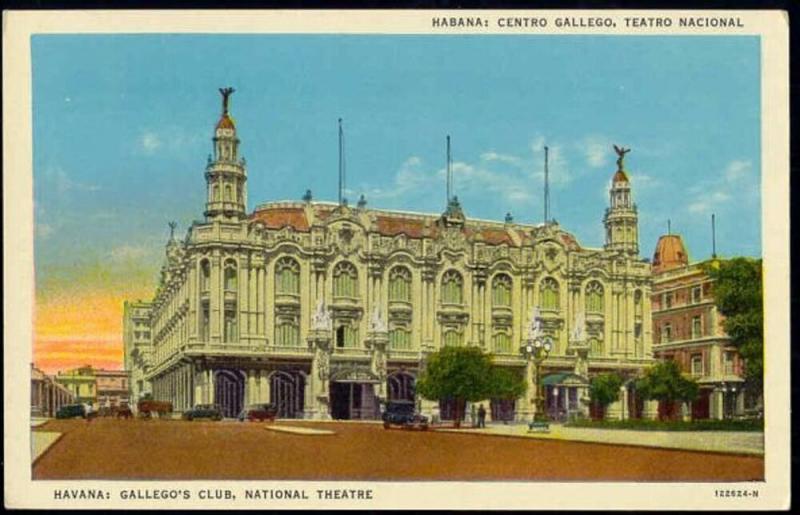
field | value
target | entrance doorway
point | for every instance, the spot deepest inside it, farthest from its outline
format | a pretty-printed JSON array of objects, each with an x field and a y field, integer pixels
[
  {"x": 287, "y": 392},
  {"x": 353, "y": 401},
  {"x": 502, "y": 410},
  {"x": 448, "y": 408},
  {"x": 229, "y": 392}
]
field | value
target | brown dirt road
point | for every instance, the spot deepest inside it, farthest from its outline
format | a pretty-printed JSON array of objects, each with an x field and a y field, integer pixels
[{"x": 165, "y": 449}]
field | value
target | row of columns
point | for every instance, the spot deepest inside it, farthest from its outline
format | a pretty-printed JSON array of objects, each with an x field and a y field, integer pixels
[{"x": 47, "y": 398}]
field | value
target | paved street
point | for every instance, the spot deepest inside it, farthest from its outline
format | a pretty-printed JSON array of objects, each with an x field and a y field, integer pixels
[{"x": 137, "y": 449}]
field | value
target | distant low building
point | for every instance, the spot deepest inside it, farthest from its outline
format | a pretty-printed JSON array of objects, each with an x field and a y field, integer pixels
[
  {"x": 688, "y": 329},
  {"x": 98, "y": 387},
  {"x": 113, "y": 388},
  {"x": 47, "y": 396},
  {"x": 81, "y": 383}
]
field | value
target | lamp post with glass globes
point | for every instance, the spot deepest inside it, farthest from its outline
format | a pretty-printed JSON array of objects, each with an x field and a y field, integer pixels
[{"x": 536, "y": 351}]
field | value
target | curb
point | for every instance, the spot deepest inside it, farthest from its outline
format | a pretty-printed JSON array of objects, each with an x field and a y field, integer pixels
[{"x": 742, "y": 453}]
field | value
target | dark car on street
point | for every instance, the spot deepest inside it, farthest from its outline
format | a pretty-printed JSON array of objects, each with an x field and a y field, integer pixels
[
  {"x": 71, "y": 411},
  {"x": 210, "y": 411},
  {"x": 403, "y": 414},
  {"x": 259, "y": 412}
]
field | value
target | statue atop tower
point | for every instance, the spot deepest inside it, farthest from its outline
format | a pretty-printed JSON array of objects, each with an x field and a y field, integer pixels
[
  {"x": 225, "y": 173},
  {"x": 621, "y": 220}
]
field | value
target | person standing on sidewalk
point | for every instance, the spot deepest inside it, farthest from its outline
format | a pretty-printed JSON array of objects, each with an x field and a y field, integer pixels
[{"x": 481, "y": 416}]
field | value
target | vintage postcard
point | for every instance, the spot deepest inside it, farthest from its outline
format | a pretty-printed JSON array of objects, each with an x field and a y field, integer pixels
[{"x": 374, "y": 259}]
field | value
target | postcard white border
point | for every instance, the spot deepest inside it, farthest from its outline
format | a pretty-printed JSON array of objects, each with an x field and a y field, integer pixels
[{"x": 21, "y": 491}]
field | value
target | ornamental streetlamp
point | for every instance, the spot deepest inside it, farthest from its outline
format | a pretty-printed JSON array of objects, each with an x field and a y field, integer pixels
[{"x": 536, "y": 351}]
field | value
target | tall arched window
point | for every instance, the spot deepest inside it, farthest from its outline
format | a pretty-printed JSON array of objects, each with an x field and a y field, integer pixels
[
  {"x": 501, "y": 290},
  {"x": 400, "y": 338},
  {"x": 231, "y": 333},
  {"x": 452, "y": 288},
  {"x": 595, "y": 346},
  {"x": 594, "y": 297},
  {"x": 400, "y": 284},
  {"x": 502, "y": 342},
  {"x": 452, "y": 337},
  {"x": 228, "y": 193},
  {"x": 287, "y": 332},
  {"x": 345, "y": 280},
  {"x": 548, "y": 294},
  {"x": 637, "y": 302},
  {"x": 205, "y": 275},
  {"x": 287, "y": 276},
  {"x": 230, "y": 275}
]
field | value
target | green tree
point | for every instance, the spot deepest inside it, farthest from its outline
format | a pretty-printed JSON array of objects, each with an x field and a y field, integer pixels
[
  {"x": 665, "y": 383},
  {"x": 737, "y": 290},
  {"x": 466, "y": 374},
  {"x": 604, "y": 389}
]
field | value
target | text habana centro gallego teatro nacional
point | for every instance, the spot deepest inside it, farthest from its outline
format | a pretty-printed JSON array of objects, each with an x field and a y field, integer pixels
[{"x": 327, "y": 310}]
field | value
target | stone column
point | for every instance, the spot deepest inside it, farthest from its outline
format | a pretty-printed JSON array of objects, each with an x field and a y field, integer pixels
[
  {"x": 263, "y": 386},
  {"x": 252, "y": 392},
  {"x": 528, "y": 401},
  {"x": 317, "y": 395},
  {"x": 198, "y": 387},
  {"x": 623, "y": 393},
  {"x": 717, "y": 404}
]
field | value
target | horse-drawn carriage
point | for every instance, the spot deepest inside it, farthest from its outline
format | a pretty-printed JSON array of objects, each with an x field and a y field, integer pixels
[{"x": 147, "y": 407}]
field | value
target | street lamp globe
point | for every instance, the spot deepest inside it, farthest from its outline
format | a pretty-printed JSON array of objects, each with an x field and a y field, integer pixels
[
  {"x": 529, "y": 348},
  {"x": 547, "y": 346},
  {"x": 537, "y": 343}
]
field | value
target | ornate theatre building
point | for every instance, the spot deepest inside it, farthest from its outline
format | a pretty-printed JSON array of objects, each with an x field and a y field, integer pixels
[{"x": 327, "y": 310}]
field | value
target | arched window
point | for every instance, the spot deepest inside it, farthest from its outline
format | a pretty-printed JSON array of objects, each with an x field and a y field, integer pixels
[
  {"x": 230, "y": 323},
  {"x": 228, "y": 193},
  {"x": 214, "y": 193},
  {"x": 594, "y": 297},
  {"x": 452, "y": 337},
  {"x": 400, "y": 284},
  {"x": 345, "y": 280},
  {"x": 548, "y": 294},
  {"x": 502, "y": 342},
  {"x": 205, "y": 275},
  {"x": 287, "y": 333},
  {"x": 595, "y": 346},
  {"x": 346, "y": 336},
  {"x": 452, "y": 288},
  {"x": 287, "y": 276},
  {"x": 501, "y": 290},
  {"x": 400, "y": 338},
  {"x": 230, "y": 275},
  {"x": 637, "y": 302}
]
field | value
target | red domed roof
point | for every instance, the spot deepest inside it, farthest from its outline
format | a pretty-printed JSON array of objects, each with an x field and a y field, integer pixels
[
  {"x": 226, "y": 122},
  {"x": 620, "y": 176},
  {"x": 670, "y": 253}
]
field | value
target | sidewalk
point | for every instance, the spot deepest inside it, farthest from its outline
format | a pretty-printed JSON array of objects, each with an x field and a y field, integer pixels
[{"x": 736, "y": 442}]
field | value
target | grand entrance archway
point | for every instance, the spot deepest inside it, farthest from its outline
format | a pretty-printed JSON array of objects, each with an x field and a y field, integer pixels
[
  {"x": 287, "y": 393},
  {"x": 229, "y": 392},
  {"x": 352, "y": 400},
  {"x": 401, "y": 386}
]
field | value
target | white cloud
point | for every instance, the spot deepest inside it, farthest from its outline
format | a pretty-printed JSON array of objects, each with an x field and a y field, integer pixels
[
  {"x": 503, "y": 158},
  {"x": 737, "y": 169},
  {"x": 128, "y": 252},
  {"x": 596, "y": 151},
  {"x": 63, "y": 183},
  {"x": 150, "y": 142}
]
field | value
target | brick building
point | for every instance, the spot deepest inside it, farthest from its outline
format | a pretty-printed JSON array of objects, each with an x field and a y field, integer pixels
[{"x": 688, "y": 329}]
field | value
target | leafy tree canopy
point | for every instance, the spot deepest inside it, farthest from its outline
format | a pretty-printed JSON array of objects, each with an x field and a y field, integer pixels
[
  {"x": 467, "y": 373},
  {"x": 604, "y": 388},
  {"x": 664, "y": 382},
  {"x": 738, "y": 294}
]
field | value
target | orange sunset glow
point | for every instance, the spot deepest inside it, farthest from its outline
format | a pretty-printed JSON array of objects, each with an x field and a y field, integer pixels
[{"x": 79, "y": 329}]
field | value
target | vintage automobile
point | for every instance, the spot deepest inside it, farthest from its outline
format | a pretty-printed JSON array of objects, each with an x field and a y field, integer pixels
[
  {"x": 259, "y": 412},
  {"x": 210, "y": 411},
  {"x": 71, "y": 411},
  {"x": 403, "y": 414},
  {"x": 124, "y": 411}
]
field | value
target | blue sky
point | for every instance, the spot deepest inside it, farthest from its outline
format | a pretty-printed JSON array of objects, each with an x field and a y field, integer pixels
[{"x": 122, "y": 127}]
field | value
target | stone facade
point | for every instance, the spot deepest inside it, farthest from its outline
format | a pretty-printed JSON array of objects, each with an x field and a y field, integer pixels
[
  {"x": 136, "y": 337},
  {"x": 327, "y": 310},
  {"x": 687, "y": 328}
]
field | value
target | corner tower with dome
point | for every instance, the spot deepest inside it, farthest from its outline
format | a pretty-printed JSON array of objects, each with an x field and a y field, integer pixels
[{"x": 328, "y": 310}]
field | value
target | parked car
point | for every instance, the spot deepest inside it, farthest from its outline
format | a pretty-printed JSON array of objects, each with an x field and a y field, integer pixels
[
  {"x": 211, "y": 411},
  {"x": 71, "y": 411},
  {"x": 259, "y": 412},
  {"x": 404, "y": 414}
]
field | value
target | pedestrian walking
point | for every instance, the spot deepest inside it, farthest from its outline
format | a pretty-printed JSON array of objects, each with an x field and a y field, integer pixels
[
  {"x": 481, "y": 416},
  {"x": 88, "y": 412}
]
